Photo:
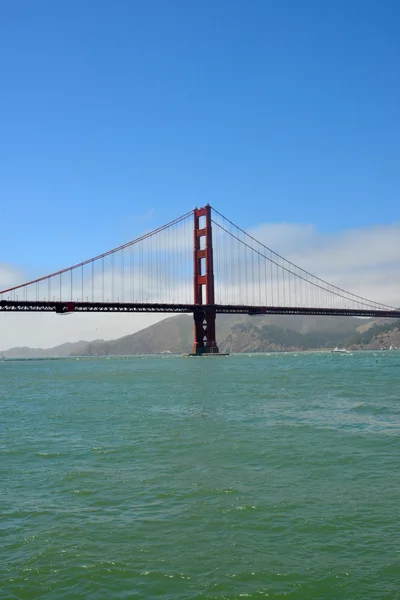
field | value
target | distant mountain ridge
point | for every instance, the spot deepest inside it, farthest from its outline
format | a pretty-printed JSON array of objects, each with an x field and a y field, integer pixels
[
  {"x": 237, "y": 333},
  {"x": 63, "y": 350}
]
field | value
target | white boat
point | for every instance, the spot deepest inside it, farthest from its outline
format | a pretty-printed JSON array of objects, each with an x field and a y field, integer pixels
[{"x": 340, "y": 350}]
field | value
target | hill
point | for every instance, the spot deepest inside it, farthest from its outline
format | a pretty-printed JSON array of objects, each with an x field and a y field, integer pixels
[
  {"x": 376, "y": 336},
  {"x": 237, "y": 333},
  {"x": 174, "y": 335},
  {"x": 241, "y": 333},
  {"x": 57, "y": 351}
]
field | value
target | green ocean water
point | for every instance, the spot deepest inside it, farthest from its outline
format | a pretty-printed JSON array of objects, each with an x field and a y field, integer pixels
[{"x": 233, "y": 477}]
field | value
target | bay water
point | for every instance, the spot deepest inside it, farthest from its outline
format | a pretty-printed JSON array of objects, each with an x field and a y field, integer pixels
[{"x": 248, "y": 476}]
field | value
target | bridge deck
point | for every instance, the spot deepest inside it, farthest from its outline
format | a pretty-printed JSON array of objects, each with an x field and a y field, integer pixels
[{"x": 127, "y": 307}]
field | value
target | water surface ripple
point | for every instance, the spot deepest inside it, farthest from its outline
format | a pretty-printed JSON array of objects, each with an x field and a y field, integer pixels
[{"x": 234, "y": 477}]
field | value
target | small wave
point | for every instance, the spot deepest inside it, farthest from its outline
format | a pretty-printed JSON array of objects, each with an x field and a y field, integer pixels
[{"x": 48, "y": 454}]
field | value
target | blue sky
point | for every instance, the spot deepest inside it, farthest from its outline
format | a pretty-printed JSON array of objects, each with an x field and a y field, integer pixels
[{"x": 116, "y": 117}]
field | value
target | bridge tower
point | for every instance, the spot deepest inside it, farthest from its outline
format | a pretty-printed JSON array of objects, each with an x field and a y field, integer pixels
[{"x": 203, "y": 279}]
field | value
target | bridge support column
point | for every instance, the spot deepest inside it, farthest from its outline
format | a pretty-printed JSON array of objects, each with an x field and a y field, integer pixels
[{"x": 203, "y": 280}]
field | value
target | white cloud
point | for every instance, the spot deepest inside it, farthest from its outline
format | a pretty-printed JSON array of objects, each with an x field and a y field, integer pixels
[
  {"x": 321, "y": 252},
  {"x": 364, "y": 261}
]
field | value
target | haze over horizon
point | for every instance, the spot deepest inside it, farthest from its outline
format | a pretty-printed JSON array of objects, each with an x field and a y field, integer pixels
[{"x": 116, "y": 119}]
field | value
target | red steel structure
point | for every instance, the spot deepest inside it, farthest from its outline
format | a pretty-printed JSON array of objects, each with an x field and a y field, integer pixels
[{"x": 203, "y": 281}]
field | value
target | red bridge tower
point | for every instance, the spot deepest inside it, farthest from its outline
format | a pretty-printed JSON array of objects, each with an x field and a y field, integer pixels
[{"x": 204, "y": 320}]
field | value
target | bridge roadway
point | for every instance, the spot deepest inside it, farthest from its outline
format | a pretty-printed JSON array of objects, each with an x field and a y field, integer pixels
[{"x": 140, "y": 307}]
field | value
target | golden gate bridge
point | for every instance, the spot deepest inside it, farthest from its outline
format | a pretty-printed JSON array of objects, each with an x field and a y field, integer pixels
[{"x": 200, "y": 263}]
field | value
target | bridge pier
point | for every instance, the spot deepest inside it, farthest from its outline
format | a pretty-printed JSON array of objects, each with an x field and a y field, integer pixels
[
  {"x": 204, "y": 333},
  {"x": 203, "y": 282}
]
